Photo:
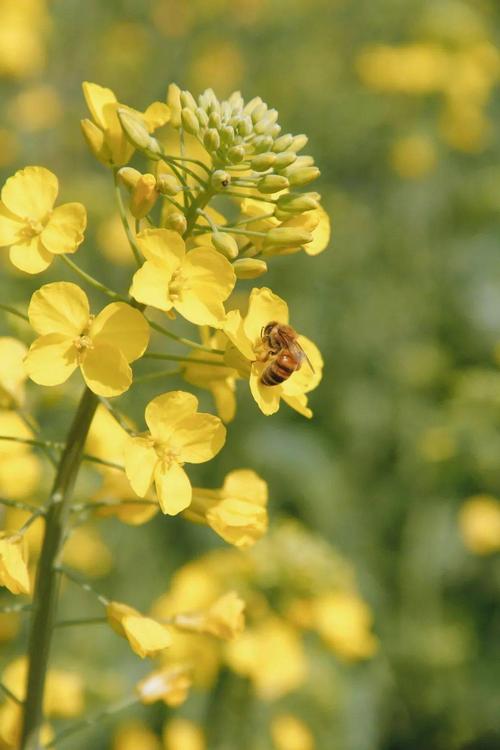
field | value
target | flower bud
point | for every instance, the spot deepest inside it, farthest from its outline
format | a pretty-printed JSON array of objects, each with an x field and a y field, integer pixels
[
  {"x": 129, "y": 176},
  {"x": 283, "y": 143},
  {"x": 188, "y": 100},
  {"x": 137, "y": 133},
  {"x": 225, "y": 244},
  {"x": 258, "y": 112},
  {"x": 272, "y": 183},
  {"x": 263, "y": 162},
  {"x": 174, "y": 102},
  {"x": 262, "y": 143},
  {"x": 144, "y": 196},
  {"x": 227, "y": 134},
  {"x": 252, "y": 104},
  {"x": 96, "y": 142},
  {"x": 176, "y": 221},
  {"x": 236, "y": 154},
  {"x": 285, "y": 159},
  {"x": 274, "y": 130},
  {"x": 214, "y": 120},
  {"x": 236, "y": 100},
  {"x": 220, "y": 179},
  {"x": 287, "y": 236},
  {"x": 245, "y": 126},
  {"x": 298, "y": 176},
  {"x": 189, "y": 121},
  {"x": 166, "y": 184},
  {"x": 298, "y": 143},
  {"x": 249, "y": 268},
  {"x": 202, "y": 117},
  {"x": 298, "y": 202},
  {"x": 211, "y": 139}
]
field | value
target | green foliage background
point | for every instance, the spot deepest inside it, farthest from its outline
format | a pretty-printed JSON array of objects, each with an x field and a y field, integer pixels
[{"x": 404, "y": 304}]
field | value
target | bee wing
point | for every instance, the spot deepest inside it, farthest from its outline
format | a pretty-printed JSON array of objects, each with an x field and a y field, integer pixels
[{"x": 301, "y": 355}]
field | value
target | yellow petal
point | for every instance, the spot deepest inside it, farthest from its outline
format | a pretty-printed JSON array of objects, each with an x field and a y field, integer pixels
[
  {"x": 238, "y": 522},
  {"x": 234, "y": 330},
  {"x": 310, "y": 373},
  {"x": 156, "y": 115},
  {"x": 60, "y": 307},
  {"x": 298, "y": 403},
  {"x": 51, "y": 359},
  {"x": 263, "y": 308},
  {"x": 321, "y": 234},
  {"x": 13, "y": 568},
  {"x": 64, "y": 231},
  {"x": 30, "y": 255},
  {"x": 96, "y": 141},
  {"x": 200, "y": 311},
  {"x": 146, "y": 636},
  {"x": 10, "y": 226},
  {"x": 150, "y": 286},
  {"x": 198, "y": 438},
  {"x": 245, "y": 484},
  {"x": 210, "y": 274},
  {"x": 225, "y": 400},
  {"x": 164, "y": 412},
  {"x": 106, "y": 371},
  {"x": 173, "y": 488},
  {"x": 267, "y": 397},
  {"x": 163, "y": 246},
  {"x": 31, "y": 192},
  {"x": 98, "y": 100},
  {"x": 122, "y": 326},
  {"x": 140, "y": 462}
]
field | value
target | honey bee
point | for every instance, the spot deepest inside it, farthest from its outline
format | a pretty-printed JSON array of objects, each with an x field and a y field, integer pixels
[{"x": 283, "y": 352}]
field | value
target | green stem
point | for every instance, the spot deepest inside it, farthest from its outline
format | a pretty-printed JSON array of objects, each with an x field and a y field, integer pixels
[
  {"x": 32, "y": 441},
  {"x": 13, "y": 311},
  {"x": 94, "y": 719},
  {"x": 173, "y": 358},
  {"x": 47, "y": 582},
  {"x": 90, "y": 279},
  {"x": 83, "y": 584},
  {"x": 10, "y": 694},
  {"x": 116, "y": 415},
  {"x": 157, "y": 374},
  {"x": 182, "y": 340},
  {"x": 81, "y": 621},
  {"x": 126, "y": 225},
  {"x": 192, "y": 214},
  {"x": 10, "y": 609},
  {"x": 19, "y": 505}
]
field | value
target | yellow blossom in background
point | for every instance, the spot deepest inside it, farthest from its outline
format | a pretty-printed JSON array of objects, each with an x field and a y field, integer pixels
[
  {"x": 195, "y": 284},
  {"x": 10, "y": 727},
  {"x": 245, "y": 355},
  {"x": 237, "y": 511},
  {"x": 220, "y": 381},
  {"x": 23, "y": 25},
  {"x": 182, "y": 734},
  {"x": 71, "y": 337},
  {"x": 146, "y": 636},
  {"x": 104, "y": 133},
  {"x": 124, "y": 503},
  {"x": 85, "y": 551},
  {"x": 9, "y": 625},
  {"x": 12, "y": 372},
  {"x": 479, "y": 522},
  {"x": 219, "y": 64},
  {"x": 64, "y": 694},
  {"x": 20, "y": 468},
  {"x": 344, "y": 622},
  {"x": 290, "y": 733},
  {"x": 34, "y": 230},
  {"x": 134, "y": 735},
  {"x": 170, "y": 684},
  {"x": 113, "y": 241},
  {"x": 178, "y": 434},
  {"x": 224, "y": 619},
  {"x": 107, "y": 438},
  {"x": 413, "y": 157},
  {"x": 408, "y": 69},
  {"x": 36, "y": 108},
  {"x": 14, "y": 563},
  {"x": 272, "y": 656}
]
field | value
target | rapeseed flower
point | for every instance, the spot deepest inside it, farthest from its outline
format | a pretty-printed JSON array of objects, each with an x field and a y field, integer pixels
[
  {"x": 479, "y": 522},
  {"x": 34, "y": 230},
  {"x": 14, "y": 563},
  {"x": 146, "y": 636},
  {"x": 12, "y": 372},
  {"x": 178, "y": 434},
  {"x": 223, "y": 619},
  {"x": 170, "y": 684},
  {"x": 246, "y": 354},
  {"x": 71, "y": 337},
  {"x": 194, "y": 283},
  {"x": 219, "y": 380}
]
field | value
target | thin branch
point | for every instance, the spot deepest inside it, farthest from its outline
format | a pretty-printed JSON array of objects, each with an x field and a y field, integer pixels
[
  {"x": 10, "y": 609},
  {"x": 19, "y": 505},
  {"x": 83, "y": 584},
  {"x": 10, "y": 694},
  {"x": 81, "y": 621},
  {"x": 116, "y": 414},
  {"x": 157, "y": 374},
  {"x": 173, "y": 358},
  {"x": 182, "y": 340},
  {"x": 126, "y": 225},
  {"x": 91, "y": 280},
  {"x": 13, "y": 311},
  {"x": 93, "y": 719}
]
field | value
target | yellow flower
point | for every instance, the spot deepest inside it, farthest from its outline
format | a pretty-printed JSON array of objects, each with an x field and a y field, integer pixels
[
  {"x": 134, "y": 735},
  {"x": 14, "y": 563},
  {"x": 34, "y": 230},
  {"x": 106, "y": 438},
  {"x": 479, "y": 521},
  {"x": 344, "y": 620},
  {"x": 104, "y": 134},
  {"x": 289, "y": 733},
  {"x": 413, "y": 157},
  {"x": 220, "y": 381},
  {"x": 170, "y": 684},
  {"x": 237, "y": 511},
  {"x": 194, "y": 283},
  {"x": 71, "y": 337},
  {"x": 224, "y": 619},
  {"x": 12, "y": 372},
  {"x": 316, "y": 222},
  {"x": 146, "y": 636},
  {"x": 178, "y": 434},
  {"x": 64, "y": 692},
  {"x": 124, "y": 505},
  {"x": 20, "y": 468},
  {"x": 85, "y": 551},
  {"x": 247, "y": 352},
  {"x": 182, "y": 734},
  {"x": 272, "y": 656}
]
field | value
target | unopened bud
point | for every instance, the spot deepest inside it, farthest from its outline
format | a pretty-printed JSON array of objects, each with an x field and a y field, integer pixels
[
  {"x": 245, "y": 126},
  {"x": 174, "y": 102},
  {"x": 263, "y": 162},
  {"x": 166, "y": 184},
  {"x": 274, "y": 130},
  {"x": 249, "y": 268},
  {"x": 214, "y": 120},
  {"x": 298, "y": 176},
  {"x": 211, "y": 139},
  {"x": 96, "y": 142},
  {"x": 262, "y": 143},
  {"x": 272, "y": 183},
  {"x": 282, "y": 143},
  {"x": 225, "y": 244},
  {"x": 304, "y": 161},
  {"x": 252, "y": 104},
  {"x": 202, "y": 117},
  {"x": 137, "y": 133},
  {"x": 298, "y": 143},
  {"x": 187, "y": 100},
  {"x": 144, "y": 196},
  {"x": 236, "y": 154},
  {"x": 298, "y": 202},
  {"x": 129, "y": 176},
  {"x": 285, "y": 159},
  {"x": 189, "y": 121},
  {"x": 176, "y": 221},
  {"x": 287, "y": 236},
  {"x": 227, "y": 134},
  {"x": 220, "y": 179},
  {"x": 258, "y": 112}
]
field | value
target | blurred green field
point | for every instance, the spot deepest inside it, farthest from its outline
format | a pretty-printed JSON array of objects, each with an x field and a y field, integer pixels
[{"x": 400, "y": 102}]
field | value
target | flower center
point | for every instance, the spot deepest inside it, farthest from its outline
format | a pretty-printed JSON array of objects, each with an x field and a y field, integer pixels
[
  {"x": 167, "y": 454},
  {"x": 32, "y": 228},
  {"x": 82, "y": 344},
  {"x": 178, "y": 282}
]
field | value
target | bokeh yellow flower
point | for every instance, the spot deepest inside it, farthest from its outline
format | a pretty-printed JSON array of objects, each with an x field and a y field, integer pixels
[
  {"x": 290, "y": 733},
  {"x": 14, "y": 563},
  {"x": 146, "y": 636},
  {"x": 182, "y": 733},
  {"x": 194, "y": 283},
  {"x": 178, "y": 434},
  {"x": 64, "y": 692},
  {"x": 246, "y": 354},
  {"x": 12, "y": 372},
  {"x": 223, "y": 619},
  {"x": 20, "y": 468},
  {"x": 344, "y": 622},
  {"x": 71, "y": 337},
  {"x": 134, "y": 735},
  {"x": 34, "y": 230},
  {"x": 479, "y": 521},
  {"x": 170, "y": 684}
]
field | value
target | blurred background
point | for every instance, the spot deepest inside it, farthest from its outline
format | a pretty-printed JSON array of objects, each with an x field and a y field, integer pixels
[{"x": 387, "y": 499}]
